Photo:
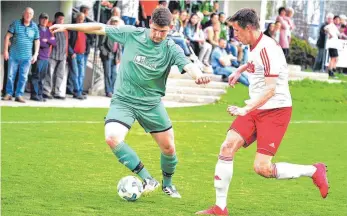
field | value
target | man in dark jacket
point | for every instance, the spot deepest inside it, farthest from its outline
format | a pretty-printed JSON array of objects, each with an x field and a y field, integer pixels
[{"x": 110, "y": 53}]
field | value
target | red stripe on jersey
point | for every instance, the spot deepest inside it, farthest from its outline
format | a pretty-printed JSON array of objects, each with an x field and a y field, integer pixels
[
  {"x": 272, "y": 75},
  {"x": 257, "y": 41},
  {"x": 262, "y": 55},
  {"x": 268, "y": 61}
]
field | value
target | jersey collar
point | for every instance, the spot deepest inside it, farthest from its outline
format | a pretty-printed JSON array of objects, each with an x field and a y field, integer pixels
[{"x": 256, "y": 43}]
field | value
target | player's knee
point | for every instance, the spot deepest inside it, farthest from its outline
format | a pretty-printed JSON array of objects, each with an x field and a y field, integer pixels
[
  {"x": 112, "y": 141},
  {"x": 263, "y": 169},
  {"x": 230, "y": 146},
  {"x": 169, "y": 149}
]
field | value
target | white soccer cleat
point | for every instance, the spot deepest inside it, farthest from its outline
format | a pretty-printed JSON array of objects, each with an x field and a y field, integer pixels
[
  {"x": 171, "y": 191},
  {"x": 149, "y": 185}
]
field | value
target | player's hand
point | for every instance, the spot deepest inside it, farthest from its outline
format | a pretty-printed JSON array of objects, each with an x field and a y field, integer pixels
[
  {"x": 236, "y": 111},
  {"x": 203, "y": 79},
  {"x": 232, "y": 79},
  {"x": 57, "y": 28}
]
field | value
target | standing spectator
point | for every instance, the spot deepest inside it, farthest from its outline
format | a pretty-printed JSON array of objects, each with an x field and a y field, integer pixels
[
  {"x": 333, "y": 34},
  {"x": 46, "y": 41},
  {"x": 116, "y": 12},
  {"x": 77, "y": 49},
  {"x": 105, "y": 10},
  {"x": 23, "y": 33},
  {"x": 270, "y": 30},
  {"x": 148, "y": 8},
  {"x": 277, "y": 33},
  {"x": 289, "y": 19},
  {"x": 221, "y": 63},
  {"x": 110, "y": 53},
  {"x": 321, "y": 43},
  {"x": 130, "y": 10},
  {"x": 343, "y": 35},
  {"x": 163, "y": 4},
  {"x": 57, "y": 63},
  {"x": 206, "y": 9},
  {"x": 223, "y": 26},
  {"x": 283, "y": 41}
]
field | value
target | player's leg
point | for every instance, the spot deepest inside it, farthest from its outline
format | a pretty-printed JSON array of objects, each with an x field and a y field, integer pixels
[
  {"x": 241, "y": 133},
  {"x": 271, "y": 128},
  {"x": 156, "y": 121},
  {"x": 118, "y": 122}
]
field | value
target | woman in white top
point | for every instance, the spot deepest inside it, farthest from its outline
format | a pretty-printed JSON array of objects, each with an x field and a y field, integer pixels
[{"x": 333, "y": 34}]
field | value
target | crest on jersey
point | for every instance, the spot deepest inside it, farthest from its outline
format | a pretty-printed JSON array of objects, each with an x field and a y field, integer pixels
[{"x": 250, "y": 67}]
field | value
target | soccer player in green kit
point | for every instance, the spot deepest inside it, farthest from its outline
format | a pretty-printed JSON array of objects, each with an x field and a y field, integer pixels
[{"x": 145, "y": 65}]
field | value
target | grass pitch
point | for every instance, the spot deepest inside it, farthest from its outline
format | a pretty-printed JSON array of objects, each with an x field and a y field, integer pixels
[{"x": 67, "y": 169}]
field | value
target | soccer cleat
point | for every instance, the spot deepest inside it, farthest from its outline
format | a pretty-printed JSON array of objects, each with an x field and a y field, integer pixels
[
  {"x": 214, "y": 210},
  {"x": 320, "y": 179},
  {"x": 171, "y": 191},
  {"x": 149, "y": 185}
]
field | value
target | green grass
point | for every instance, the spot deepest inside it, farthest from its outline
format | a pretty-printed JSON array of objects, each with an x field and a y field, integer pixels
[{"x": 67, "y": 169}]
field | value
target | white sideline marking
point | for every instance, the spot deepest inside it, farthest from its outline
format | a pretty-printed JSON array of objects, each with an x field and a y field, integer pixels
[{"x": 179, "y": 121}]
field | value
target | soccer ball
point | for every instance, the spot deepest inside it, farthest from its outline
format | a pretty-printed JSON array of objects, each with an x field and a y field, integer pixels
[{"x": 130, "y": 188}]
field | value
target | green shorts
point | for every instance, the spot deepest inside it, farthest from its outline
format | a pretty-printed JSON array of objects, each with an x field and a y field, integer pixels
[{"x": 153, "y": 120}]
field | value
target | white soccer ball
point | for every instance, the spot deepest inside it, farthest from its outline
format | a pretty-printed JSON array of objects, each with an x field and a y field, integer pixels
[{"x": 130, "y": 188}]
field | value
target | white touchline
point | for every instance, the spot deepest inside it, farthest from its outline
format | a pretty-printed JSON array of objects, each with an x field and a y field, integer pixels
[{"x": 178, "y": 121}]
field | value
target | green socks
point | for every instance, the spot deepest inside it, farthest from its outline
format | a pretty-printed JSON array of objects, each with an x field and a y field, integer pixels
[
  {"x": 129, "y": 158},
  {"x": 168, "y": 166}
]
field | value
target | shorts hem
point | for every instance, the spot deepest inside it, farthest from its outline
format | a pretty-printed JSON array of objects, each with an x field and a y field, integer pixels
[
  {"x": 161, "y": 130},
  {"x": 265, "y": 152},
  {"x": 120, "y": 122},
  {"x": 244, "y": 145}
]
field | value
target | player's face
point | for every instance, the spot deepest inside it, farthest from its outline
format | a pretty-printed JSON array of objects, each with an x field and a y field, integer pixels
[
  {"x": 243, "y": 35},
  {"x": 158, "y": 33}
]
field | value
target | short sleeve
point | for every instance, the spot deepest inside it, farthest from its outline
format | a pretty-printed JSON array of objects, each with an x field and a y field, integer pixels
[
  {"x": 37, "y": 33},
  {"x": 273, "y": 67},
  {"x": 12, "y": 28},
  {"x": 119, "y": 34},
  {"x": 178, "y": 57}
]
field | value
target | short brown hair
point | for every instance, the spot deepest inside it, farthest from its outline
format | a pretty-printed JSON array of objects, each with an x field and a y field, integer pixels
[
  {"x": 162, "y": 16},
  {"x": 244, "y": 17}
]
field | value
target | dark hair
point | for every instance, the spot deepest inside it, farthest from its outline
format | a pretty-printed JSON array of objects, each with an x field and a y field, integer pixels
[
  {"x": 162, "y": 16},
  {"x": 335, "y": 17},
  {"x": 343, "y": 26},
  {"x": 278, "y": 22},
  {"x": 58, "y": 14},
  {"x": 281, "y": 9},
  {"x": 244, "y": 17},
  {"x": 83, "y": 7},
  {"x": 161, "y": 2},
  {"x": 267, "y": 31},
  {"x": 221, "y": 13},
  {"x": 213, "y": 14}
]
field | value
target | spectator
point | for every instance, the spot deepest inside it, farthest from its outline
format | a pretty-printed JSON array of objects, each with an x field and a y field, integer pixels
[
  {"x": 46, "y": 41},
  {"x": 333, "y": 34},
  {"x": 89, "y": 4},
  {"x": 184, "y": 19},
  {"x": 207, "y": 10},
  {"x": 90, "y": 37},
  {"x": 289, "y": 18},
  {"x": 223, "y": 26},
  {"x": 197, "y": 40},
  {"x": 214, "y": 18},
  {"x": 130, "y": 10},
  {"x": 270, "y": 30},
  {"x": 77, "y": 49},
  {"x": 110, "y": 53},
  {"x": 23, "y": 33},
  {"x": 105, "y": 10},
  {"x": 173, "y": 5},
  {"x": 163, "y": 4},
  {"x": 283, "y": 40},
  {"x": 321, "y": 43},
  {"x": 176, "y": 33},
  {"x": 221, "y": 63},
  {"x": 343, "y": 35},
  {"x": 116, "y": 12},
  {"x": 277, "y": 33},
  {"x": 57, "y": 63},
  {"x": 148, "y": 8},
  {"x": 343, "y": 19},
  {"x": 212, "y": 34}
]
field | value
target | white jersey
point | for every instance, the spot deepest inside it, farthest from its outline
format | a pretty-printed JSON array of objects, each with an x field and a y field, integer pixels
[{"x": 266, "y": 59}]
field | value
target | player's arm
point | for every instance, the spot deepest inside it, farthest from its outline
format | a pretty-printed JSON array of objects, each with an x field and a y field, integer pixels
[
  {"x": 232, "y": 79},
  {"x": 6, "y": 45},
  {"x": 196, "y": 74},
  {"x": 88, "y": 28},
  {"x": 263, "y": 97}
]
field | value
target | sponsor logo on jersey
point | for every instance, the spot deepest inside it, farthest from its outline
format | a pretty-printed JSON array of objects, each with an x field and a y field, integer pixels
[
  {"x": 143, "y": 61},
  {"x": 250, "y": 67}
]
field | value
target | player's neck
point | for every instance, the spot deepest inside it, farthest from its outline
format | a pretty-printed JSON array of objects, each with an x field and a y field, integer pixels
[{"x": 255, "y": 38}]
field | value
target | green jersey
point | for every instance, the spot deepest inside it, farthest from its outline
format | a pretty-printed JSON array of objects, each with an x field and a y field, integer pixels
[{"x": 144, "y": 67}]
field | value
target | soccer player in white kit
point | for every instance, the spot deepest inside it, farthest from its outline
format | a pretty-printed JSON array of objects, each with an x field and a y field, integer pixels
[{"x": 265, "y": 116}]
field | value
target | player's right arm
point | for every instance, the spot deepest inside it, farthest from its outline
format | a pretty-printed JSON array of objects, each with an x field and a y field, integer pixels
[
  {"x": 236, "y": 75},
  {"x": 88, "y": 28}
]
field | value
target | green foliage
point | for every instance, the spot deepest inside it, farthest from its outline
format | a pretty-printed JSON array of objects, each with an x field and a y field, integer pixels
[{"x": 301, "y": 52}]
